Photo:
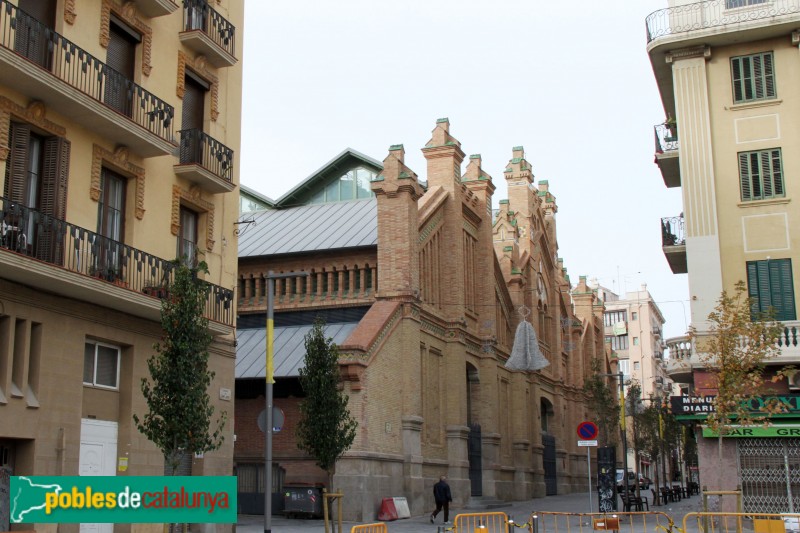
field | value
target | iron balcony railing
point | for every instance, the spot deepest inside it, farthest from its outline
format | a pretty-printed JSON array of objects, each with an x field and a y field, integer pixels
[
  {"x": 201, "y": 149},
  {"x": 714, "y": 13},
  {"x": 29, "y": 232},
  {"x": 29, "y": 38},
  {"x": 672, "y": 231},
  {"x": 198, "y": 15},
  {"x": 666, "y": 138}
]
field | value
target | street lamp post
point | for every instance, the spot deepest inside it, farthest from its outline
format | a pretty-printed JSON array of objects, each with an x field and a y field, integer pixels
[
  {"x": 621, "y": 377},
  {"x": 270, "y": 371}
]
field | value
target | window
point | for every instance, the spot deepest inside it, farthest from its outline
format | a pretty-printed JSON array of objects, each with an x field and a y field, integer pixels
[
  {"x": 187, "y": 237},
  {"x": 636, "y": 341},
  {"x": 753, "y": 77},
  {"x": 31, "y": 40},
  {"x": 351, "y": 186},
  {"x": 110, "y": 224},
  {"x": 623, "y": 366},
  {"x": 771, "y": 287},
  {"x": 634, "y": 315},
  {"x": 732, "y": 4},
  {"x": 101, "y": 365},
  {"x": 636, "y": 365},
  {"x": 618, "y": 342},
  {"x": 613, "y": 317},
  {"x": 761, "y": 174},
  {"x": 36, "y": 176}
]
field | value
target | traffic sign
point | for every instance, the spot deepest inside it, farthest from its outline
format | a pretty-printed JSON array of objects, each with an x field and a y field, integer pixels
[
  {"x": 582, "y": 443},
  {"x": 587, "y": 431}
]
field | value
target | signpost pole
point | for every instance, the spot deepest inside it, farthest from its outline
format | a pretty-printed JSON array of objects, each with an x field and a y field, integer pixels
[{"x": 589, "y": 464}]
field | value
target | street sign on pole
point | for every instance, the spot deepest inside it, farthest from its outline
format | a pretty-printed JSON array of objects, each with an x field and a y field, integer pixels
[{"x": 587, "y": 430}]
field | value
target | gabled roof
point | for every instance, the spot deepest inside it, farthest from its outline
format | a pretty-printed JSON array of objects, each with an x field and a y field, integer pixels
[
  {"x": 347, "y": 159},
  {"x": 288, "y": 345},
  {"x": 308, "y": 228}
]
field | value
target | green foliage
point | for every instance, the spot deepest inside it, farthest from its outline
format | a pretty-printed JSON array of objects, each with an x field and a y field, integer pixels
[
  {"x": 734, "y": 352},
  {"x": 325, "y": 430},
  {"x": 602, "y": 403},
  {"x": 180, "y": 411}
]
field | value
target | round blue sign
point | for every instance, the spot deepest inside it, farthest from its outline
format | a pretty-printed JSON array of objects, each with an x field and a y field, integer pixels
[{"x": 587, "y": 430}]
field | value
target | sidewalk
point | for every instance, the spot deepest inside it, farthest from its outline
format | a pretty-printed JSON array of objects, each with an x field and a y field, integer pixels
[{"x": 519, "y": 511}]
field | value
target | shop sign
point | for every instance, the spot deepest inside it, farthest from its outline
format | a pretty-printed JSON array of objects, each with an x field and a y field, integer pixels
[
  {"x": 756, "y": 431},
  {"x": 697, "y": 407}
]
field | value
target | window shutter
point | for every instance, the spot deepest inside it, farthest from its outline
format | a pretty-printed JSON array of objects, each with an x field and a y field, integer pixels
[
  {"x": 106, "y": 371},
  {"x": 766, "y": 175},
  {"x": 88, "y": 363},
  {"x": 744, "y": 176},
  {"x": 17, "y": 164},
  {"x": 752, "y": 287},
  {"x": 777, "y": 173},
  {"x": 764, "y": 299},
  {"x": 782, "y": 288},
  {"x": 769, "y": 77},
  {"x": 736, "y": 64},
  {"x": 758, "y": 77},
  {"x": 55, "y": 174}
]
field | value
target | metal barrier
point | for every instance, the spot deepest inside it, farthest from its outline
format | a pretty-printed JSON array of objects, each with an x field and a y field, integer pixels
[
  {"x": 481, "y": 522},
  {"x": 378, "y": 527},
  {"x": 630, "y": 522},
  {"x": 739, "y": 522}
]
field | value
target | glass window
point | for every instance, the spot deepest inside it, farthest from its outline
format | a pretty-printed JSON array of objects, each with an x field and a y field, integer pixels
[
  {"x": 363, "y": 179},
  {"x": 347, "y": 184},
  {"x": 623, "y": 366},
  {"x": 761, "y": 174},
  {"x": 332, "y": 191},
  {"x": 634, "y": 315},
  {"x": 753, "y": 77},
  {"x": 353, "y": 185},
  {"x": 101, "y": 365},
  {"x": 636, "y": 341},
  {"x": 636, "y": 365},
  {"x": 731, "y": 4},
  {"x": 187, "y": 237}
]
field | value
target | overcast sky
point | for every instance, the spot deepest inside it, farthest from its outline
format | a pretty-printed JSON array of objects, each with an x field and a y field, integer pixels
[{"x": 570, "y": 81}]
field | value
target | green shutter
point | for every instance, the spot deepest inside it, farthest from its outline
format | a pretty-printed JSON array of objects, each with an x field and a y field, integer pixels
[
  {"x": 777, "y": 173},
  {"x": 753, "y": 77},
  {"x": 769, "y": 77},
  {"x": 752, "y": 288},
  {"x": 738, "y": 84},
  {"x": 744, "y": 176},
  {"x": 766, "y": 175},
  {"x": 782, "y": 288}
]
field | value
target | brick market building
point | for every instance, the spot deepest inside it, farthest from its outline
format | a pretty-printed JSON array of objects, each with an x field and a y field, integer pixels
[{"x": 422, "y": 285}]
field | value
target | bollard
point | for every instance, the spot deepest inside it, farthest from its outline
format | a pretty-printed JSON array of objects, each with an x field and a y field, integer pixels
[{"x": 535, "y": 523}]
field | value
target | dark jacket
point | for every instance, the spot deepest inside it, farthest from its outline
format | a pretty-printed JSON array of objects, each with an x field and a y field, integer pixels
[{"x": 441, "y": 492}]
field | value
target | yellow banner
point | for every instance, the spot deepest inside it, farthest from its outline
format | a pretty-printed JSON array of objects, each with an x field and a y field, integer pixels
[{"x": 270, "y": 344}]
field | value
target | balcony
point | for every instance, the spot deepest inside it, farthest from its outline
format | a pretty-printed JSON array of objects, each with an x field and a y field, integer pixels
[
  {"x": 208, "y": 33},
  {"x": 667, "y": 154},
  {"x": 156, "y": 8},
  {"x": 673, "y": 243},
  {"x": 713, "y": 23},
  {"x": 44, "y": 252},
  {"x": 205, "y": 161},
  {"x": 45, "y": 66},
  {"x": 679, "y": 361}
]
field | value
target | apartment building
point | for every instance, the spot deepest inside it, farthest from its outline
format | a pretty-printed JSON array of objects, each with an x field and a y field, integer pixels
[
  {"x": 633, "y": 329},
  {"x": 422, "y": 285},
  {"x": 119, "y": 132},
  {"x": 726, "y": 72}
]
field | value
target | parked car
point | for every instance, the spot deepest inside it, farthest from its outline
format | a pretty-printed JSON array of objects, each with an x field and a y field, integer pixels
[{"x": 644, "y": 483}]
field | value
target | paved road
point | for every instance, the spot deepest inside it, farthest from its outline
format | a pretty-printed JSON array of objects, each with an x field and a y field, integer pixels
[{"x": 520, "y": 511}]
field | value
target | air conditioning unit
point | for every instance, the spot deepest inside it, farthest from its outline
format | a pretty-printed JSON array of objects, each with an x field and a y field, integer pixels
[{"x": 794, "y": 381}]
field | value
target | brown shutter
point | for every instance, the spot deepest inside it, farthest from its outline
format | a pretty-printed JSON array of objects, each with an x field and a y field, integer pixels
[
  {"x": 53, "y": 203},
  {"x": 121, "y": 57},
  {"x": 17, "y": 164},
  {"x": 193, "y": 105}
]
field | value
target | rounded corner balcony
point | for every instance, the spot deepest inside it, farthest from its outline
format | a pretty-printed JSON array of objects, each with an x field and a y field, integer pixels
[
  {"x": 45, "y": 66},
  {"x": 208, "y": 33},
  {"x": 45, "y": 252},
  {"x": 678, "y": 364},
  {"x": 713, "y": 23}
]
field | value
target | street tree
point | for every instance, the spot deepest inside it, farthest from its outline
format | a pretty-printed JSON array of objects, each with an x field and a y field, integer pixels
[
  {"x": 734, "y": 350},
  {"x": 179, "y": 414},
  {"x": 601, "y": 400},
  {"x": 325, "y": 429}
]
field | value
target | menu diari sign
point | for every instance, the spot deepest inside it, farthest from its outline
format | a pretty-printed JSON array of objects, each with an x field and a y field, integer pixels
[{"x": 697, "y": 406}]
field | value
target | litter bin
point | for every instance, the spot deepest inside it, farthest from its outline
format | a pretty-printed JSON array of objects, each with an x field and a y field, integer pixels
[{"x": 305, "y": 501}]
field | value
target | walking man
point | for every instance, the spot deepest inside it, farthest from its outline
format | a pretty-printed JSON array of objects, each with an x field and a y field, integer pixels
[{"x": 441, "y": 493}]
